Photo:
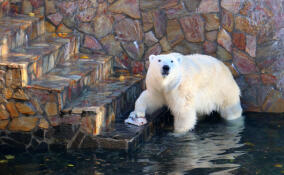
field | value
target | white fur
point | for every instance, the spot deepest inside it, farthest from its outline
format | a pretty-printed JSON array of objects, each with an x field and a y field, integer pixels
[{"x": 196, "y": 85}]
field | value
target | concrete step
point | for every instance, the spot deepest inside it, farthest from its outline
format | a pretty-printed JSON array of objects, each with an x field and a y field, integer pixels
[
  {"x": 68, "y": 80},
  {"x": 38, "y": 58},
  {"x": 106, "y": 101},
  {"x": 16, "y": 31}
]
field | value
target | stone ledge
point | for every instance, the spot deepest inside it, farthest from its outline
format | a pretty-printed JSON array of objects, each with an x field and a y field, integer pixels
[
  {"x": 24, "y": 27},
  {"x": 121, "y": 136},
  {"x": 105, "y": 101},
  {"x": 38, "y": 58},
  {"x": 70, "y": 79}
]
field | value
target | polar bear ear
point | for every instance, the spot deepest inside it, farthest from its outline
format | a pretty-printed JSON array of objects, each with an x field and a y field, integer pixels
[
  {"x": 152, "y": 57},
  {"x": 179, "y": 59}
]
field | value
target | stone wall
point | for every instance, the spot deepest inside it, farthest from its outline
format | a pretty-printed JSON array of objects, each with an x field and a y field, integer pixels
[
  {"x": 246, "y": 34},
  {"x": 4, "y": 7}
]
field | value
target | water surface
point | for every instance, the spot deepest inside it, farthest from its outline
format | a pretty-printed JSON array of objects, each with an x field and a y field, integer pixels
[{"x": 253, "y": 144}]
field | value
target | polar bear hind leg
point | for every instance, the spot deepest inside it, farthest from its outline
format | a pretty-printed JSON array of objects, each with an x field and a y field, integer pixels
[{"x": 231, "y": 111}]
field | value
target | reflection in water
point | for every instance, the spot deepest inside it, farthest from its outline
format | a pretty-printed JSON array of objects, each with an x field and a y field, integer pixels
[
  {"x": 207, "y": 147},
  {"x": 242, "y": 147}
]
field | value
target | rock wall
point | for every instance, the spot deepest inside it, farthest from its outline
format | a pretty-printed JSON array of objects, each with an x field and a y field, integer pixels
[
  {"x": 246, "y": 34},
  {"x": 4, "y": 7}
]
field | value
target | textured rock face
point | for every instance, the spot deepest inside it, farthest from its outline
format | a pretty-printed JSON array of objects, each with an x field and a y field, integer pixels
[
  {"x": 129, "y": 7},
  {"x": 128, "y": 30},
  {"x": 193, "y": 26},
  {"x": 247, "y": 35}
]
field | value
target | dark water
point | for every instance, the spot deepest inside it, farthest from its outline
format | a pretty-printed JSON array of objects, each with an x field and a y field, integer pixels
[{"x": 251, "y": 145}]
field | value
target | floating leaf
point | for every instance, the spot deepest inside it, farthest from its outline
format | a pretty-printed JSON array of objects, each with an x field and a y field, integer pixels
[
  {"x": 9, "y": 157},
  {"x": 70, "y": 165},
  {"x": 4, "y": 161},
  {"x": 278, "y": 165},
  {"x": 84, "y": 57},
  {"x": 121, "y": 78},
  {"x": 249, "y": 144},
  {"x": 62, "y": 34},
  {"x": 282, "y": 172}
]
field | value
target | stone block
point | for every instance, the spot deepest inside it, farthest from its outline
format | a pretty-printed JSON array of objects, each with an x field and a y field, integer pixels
[
  {"x": 23, "y": 124},
  {"x": 224, "y": 39},
  {"x": 174, "y": 33},
  {"x": 129, "y": 7},
  {"x": 10, "y": 106},
  {"x": 193, "y": 27},
  {"x": 25, "y": 108}
]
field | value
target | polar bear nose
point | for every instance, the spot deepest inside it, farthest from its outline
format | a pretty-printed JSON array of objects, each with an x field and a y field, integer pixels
[{"x": 166, "y": 68}]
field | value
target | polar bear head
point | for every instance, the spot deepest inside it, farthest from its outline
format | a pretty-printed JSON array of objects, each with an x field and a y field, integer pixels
[
  {"x": 165, "y": 65},
  {"x": 165, "y": 70}
]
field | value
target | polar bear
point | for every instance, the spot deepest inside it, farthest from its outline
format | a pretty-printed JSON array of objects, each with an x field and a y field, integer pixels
[{"x": 190, "y": 86}]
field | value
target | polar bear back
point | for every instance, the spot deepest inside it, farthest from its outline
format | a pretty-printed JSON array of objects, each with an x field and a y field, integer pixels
[{"x": 208, "y": 79}]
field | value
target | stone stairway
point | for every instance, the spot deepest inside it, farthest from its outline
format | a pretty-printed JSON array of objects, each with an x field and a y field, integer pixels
[{"x": 54, "y": 97}]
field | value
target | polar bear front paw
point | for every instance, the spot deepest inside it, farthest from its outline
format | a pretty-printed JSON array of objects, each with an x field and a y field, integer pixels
[{"x": 136, "y": 118}]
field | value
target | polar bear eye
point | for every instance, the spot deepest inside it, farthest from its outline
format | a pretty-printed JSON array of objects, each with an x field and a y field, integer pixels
[
  {"x": 172, "y": 61},
  {"x": 159, "y": 60}
]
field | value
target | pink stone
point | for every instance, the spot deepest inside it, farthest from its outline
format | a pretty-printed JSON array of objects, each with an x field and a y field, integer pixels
[
  {"x": 147, "y": 20},
  {"x": 193, "y": 27},
  {"x": 212, "y": 21},
  {"x": 36, "y": 3},
  {"x": 91, "y": 43},
  {"x": 224, "y": 39},
  {"x": 134, "y": 49},
  {"x": 170, "y": 3},
  {"x": 123, "y": 61},
  {"x": 86, "y": 15},
  {"x": 68, "y": 8},
  {"x": 211, "y": 36},
  {"x": 150, "y": 39},
  {"x": 268, "y": 79},
  {"x": 154, "y": 50},
  {"x": 252, "y": 79},
  {"x": 137, "y": 67},
  {"x": 174, "y": 32},
  {"x": 244, "y": 63},
  {"x": 209, "y": 47},
  {"x": 84, "y": 4},
  {"x": 245, "y": 25},
  {"x": 55, "y": 18},
  {"x": 160, "y": 23},
  {"x": 86, "y": 28},
  {"x": 251, "y": 45},
  {"x": 207, "y": 6},
  {"x": 231, "y": 5},
  {"x": 102, "y": 25},
  {"x": 227, "y": 20},
  {"x": 102, "y": 8},
  {"x": 111, "y": 45},
  {"x": 176, "y": 11},
  {"x": 128, "y": 30},
  {"x": 129, "y": 7},
  {"x": 118, "y": 17},
  {"x": 239, "y": 40}
]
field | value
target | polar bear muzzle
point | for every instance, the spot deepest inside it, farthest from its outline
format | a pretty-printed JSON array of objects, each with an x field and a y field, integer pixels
[{"x": 165, "y": 70}]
